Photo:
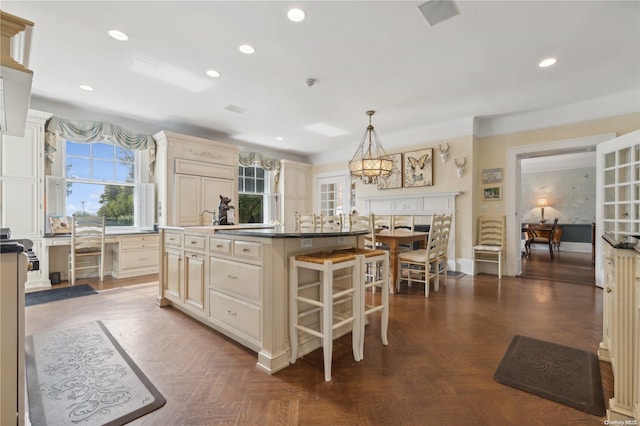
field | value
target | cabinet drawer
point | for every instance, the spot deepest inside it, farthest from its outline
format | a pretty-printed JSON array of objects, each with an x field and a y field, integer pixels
[
  {"x": 144, "y": 239},
  {"x": 219, "y": 245},
  {"x": 247, "y": 249},
  {"x": 236, "y": 278},
  {"x": 194, "y": 242},
  {"x": 140, "y": 259},
  {"x": 172, "y": 239},
  {"x": 236, "y": 313},
  {"x": 140, "y": 245}
]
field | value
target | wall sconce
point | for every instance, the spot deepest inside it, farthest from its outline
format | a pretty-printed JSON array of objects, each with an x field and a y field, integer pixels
[
  {"x": 460, "y": 163},
  {"x": 542, "y": 203},
  {"x": 444, "y": 152}
]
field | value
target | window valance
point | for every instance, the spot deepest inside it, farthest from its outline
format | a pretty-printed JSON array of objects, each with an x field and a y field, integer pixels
[
  {"x": 92, "y": 131},
  {"x": 257, "y": 159}
]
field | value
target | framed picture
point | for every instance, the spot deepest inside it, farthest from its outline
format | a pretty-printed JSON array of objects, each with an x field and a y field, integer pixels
[
  {"x": 395, "y": 179},
  {"x": 59, "y": 225},
  {"x": 418, "y": 168},
  {"x": 491, "y": 175},
  {"x": 491, "y": 193}
]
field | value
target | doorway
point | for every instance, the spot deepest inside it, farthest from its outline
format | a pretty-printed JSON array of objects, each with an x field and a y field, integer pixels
[{"x": 515, "y": 156}]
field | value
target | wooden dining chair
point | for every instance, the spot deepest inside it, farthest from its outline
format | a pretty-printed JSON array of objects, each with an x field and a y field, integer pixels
[
  {"x": 548, "y": 237},
  {"x": 491, "y": 242},
  {"x": 420, "y": 266}
]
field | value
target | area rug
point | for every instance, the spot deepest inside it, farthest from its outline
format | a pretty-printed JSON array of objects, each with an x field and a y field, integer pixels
[
  {"x": 46, "y": 296},
  {"x": 560, "y": 373},
  {"x": 82, "y": 376}
]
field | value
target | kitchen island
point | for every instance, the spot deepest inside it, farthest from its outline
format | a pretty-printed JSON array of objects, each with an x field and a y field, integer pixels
[{"x": 235, "y": 280}]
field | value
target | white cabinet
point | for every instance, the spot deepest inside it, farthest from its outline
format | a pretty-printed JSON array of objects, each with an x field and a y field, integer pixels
[
  {"x": 21, "y": 187},
  {"x": 621, "y": 331},
  {"x": 191, "y": 174},
  {"x": 235, "y": 288},
  {"x": 183, "y": 273},
  {"x": 137, "y": 255},
  {"x": 617, "y": 192},
  {"x": 197, "y": 193},
  {"x": 295, "y": 189}
]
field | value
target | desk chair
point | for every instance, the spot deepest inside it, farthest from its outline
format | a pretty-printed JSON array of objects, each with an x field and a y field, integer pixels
[{"x": 87, "y": 241}]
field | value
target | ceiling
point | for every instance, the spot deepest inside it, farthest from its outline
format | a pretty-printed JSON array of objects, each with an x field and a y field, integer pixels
[{"x": 380, "y": 55}]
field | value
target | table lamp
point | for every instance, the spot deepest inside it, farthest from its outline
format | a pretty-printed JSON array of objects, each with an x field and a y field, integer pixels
[{"x": 542, "y": 203}]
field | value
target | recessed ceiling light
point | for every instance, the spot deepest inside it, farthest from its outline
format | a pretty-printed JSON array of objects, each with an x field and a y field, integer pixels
[
  {"x": 85, "y": 87},
  {"x": 246, "y": 49},
  {"x": 279, "y": 138},
  {"x": 547, "y": 62},
  {"x": 118, "y": 35},
  {"x": 296, "y": 15},
  {"x": 213, "y": 73}
]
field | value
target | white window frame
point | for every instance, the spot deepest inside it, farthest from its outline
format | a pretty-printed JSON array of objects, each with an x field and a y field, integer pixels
[
  {"x": 269, "y": 198},
  {"x": 144, "y": 193}
]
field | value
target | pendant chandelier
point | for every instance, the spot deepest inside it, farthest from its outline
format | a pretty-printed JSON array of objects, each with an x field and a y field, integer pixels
[{"x": 370, "y": 161}]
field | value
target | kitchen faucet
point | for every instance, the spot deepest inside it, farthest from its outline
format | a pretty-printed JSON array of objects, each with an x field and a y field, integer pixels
[{"x": 214, "y": 221}]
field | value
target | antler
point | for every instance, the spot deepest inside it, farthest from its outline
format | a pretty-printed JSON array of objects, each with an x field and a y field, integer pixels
[
  {"x": 460, "y": 163},
  {"x": 444, "y": 152}
]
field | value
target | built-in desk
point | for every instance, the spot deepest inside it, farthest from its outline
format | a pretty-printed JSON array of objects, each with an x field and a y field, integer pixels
[{"x": 127, "y": 254}]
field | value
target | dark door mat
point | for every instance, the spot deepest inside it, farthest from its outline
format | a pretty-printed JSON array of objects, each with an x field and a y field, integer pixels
[
  {"x": 46, "y": 296},
  {"x": 560, "y": 373}
]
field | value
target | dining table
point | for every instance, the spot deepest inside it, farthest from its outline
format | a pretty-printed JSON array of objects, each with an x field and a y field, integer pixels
[{"x": 393, "y": 239}]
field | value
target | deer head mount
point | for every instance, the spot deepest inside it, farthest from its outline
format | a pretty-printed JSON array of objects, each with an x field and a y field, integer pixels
[
  {"x": 460, "y": 164},
  {"x": 444, "y": 152}
]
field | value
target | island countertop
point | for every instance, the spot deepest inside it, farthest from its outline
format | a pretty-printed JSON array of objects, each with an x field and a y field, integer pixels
[
  {"x": 288, "y": 232},
  {"x": 264, "y": 231}
]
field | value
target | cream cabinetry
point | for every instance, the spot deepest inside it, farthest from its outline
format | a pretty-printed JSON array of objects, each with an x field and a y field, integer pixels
[
  {"x": 295, "y": 188},
  {"x": 621, "y": 331},
  {"x": 137, "y": 255},
  {"x": 245, "y": 281},
  {"x": 191, "y": 174},
  {"x": 22, "y": 187},
  {"x": 13, "y": 271},
  {"x": 235, "y": 285},
  {"x": 194, "y": 273},
  {"x": 183, "y": 270}
]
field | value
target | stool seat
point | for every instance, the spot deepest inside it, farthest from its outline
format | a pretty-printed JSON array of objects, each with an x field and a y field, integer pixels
[{"x": 337, "y": 256}]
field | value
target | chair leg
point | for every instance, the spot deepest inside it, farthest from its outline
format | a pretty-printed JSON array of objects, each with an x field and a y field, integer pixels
[
  {"x": 385, "y": 301},
  {"x": 500, "y": 264},
  {"x": 293, "y": 309},
  {"x": 327, "y": 320}
]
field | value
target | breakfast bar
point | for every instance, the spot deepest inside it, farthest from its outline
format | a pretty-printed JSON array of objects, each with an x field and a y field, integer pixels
[{"x": 235, "y": 280}]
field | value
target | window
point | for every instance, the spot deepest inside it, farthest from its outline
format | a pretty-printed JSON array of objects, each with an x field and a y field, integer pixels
[
  {"x": 100, "y": 178},
  {"x": 254, "y": 199},
  {"x": 331, "y": 194}
]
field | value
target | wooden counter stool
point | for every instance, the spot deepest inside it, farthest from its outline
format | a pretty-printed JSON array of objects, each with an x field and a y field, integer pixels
[
  {"x": 320, "y": 297},
  {"x": 374, "y": 265}
]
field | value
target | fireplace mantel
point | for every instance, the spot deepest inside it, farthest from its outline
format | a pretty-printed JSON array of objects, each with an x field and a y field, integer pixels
[{"x": 417, "y": 204}]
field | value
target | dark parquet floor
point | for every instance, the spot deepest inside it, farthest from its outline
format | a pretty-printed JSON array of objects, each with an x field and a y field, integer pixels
[{"x": 437, "y": 369}]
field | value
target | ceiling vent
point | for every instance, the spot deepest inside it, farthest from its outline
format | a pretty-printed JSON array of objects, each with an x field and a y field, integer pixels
[
  {"x": 436, "y": 11},
  {"x": 235, "y": 109}
]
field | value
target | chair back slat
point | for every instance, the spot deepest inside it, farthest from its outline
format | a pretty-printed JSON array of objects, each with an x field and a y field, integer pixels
[{"x": 491, "y": 231}]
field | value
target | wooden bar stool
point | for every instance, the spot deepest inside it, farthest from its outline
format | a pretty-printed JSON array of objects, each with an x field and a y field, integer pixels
[
  {"x": 374, "y": 267},
  {"x": 320, "y": 297}
]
